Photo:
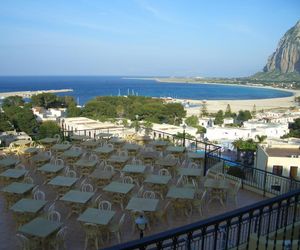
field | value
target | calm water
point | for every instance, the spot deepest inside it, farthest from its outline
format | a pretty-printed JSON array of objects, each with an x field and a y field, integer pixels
[{"x": 86, "y": 88}]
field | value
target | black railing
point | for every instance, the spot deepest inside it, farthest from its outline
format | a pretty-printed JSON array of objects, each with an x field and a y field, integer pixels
[
  {"x": 268, "y": 223},
  {"x": 266, "y": 182}
]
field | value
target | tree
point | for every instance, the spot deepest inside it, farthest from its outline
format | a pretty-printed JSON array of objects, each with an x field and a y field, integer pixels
[
  {"x": 260, "y": 138},
  {"x": 4, "y": 123},
  {"x": 192, "y": 121},
  {"x": 228, "y": 111},
  {"x": 253, "y": 112},
  {"x": 12, "y": 101},
  {"x": 46, "y": 100},
  {"x": 120, "y": 111},
  {"x": 73, "y": 111},
  {"x": 203, "y": 111},
  {"x": 219, "y": 119},
  {"x": 49, "y": 129},
  {"x": 148, "y": 126},
  {"x": 244, "y": 115},
  {"x": 201, "y": 130}
]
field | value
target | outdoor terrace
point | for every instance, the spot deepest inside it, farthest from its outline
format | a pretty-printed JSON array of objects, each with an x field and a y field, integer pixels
[{"x": 253, "y": 190}]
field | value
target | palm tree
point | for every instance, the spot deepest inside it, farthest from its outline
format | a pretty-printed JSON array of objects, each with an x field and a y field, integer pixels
[{"x": 260, "y": 138}]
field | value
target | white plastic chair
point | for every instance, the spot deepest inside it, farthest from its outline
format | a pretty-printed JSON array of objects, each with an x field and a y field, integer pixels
[
  {"x": 59, "y": 162},
  {"x": 164, "y": 171},
  {"x": 39, "y": 195},
  {"x": 86, "y": 187},
  {"x": 54, "y": 216},
  {"x": 149, "y": 195},
  {"x": 127, "y": 179},
  {"x": 104, "y": 205}
]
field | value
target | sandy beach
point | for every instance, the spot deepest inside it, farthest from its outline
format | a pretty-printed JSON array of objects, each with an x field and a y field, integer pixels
[{"x": 236, "y": 105}]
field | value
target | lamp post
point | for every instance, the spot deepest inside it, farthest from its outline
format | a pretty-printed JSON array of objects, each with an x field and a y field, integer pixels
[
  {"x": 183, "y": 134},
  {"x": 141, "y": 223}
]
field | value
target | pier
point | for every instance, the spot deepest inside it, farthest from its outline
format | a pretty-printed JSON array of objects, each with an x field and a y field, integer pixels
[{"x": 29, "y": 94}]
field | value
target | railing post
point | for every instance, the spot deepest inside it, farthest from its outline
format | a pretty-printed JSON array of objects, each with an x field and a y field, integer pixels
[
  {"x": 265, "y": 182},
  {"x": 205, "y": 160}
]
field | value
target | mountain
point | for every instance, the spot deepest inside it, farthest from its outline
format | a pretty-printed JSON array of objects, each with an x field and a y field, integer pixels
[{"x": 284, "y": 63}]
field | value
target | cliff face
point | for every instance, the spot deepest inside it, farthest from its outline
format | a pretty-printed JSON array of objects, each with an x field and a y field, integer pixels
[{"x": 286, "y": 58}]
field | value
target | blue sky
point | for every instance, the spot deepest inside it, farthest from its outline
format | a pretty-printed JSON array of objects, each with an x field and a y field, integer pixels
[{"x": 141, "y": 37}]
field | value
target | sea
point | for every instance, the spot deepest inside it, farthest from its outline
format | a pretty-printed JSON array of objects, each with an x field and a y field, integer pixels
[{"x": 88, "y": 87}]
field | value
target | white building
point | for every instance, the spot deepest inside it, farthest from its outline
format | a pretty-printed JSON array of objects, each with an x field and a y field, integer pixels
[
  {"x": 83, "y": 125},
  {"x": 281, "y": 159},
  {"x": 249, "y": 131},
  {"x": 51, "y": 114}
]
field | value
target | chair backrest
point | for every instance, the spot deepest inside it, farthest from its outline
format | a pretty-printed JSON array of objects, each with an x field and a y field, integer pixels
[
  {"x": 122, "y": 220},
  {"x": 164, "y": 171},
  {"x": 149, "y": 195},
  {"x": 28, "y": 180},
  {"x": 51, "y": 207},
  {"x": 59, "y": 162},
  {"x": 193, "y": 165},
  {"x": 86, "y": 187},
  {"x": 76, "y": 148},
  {"x": 24, "y": 241},
  {"x": 48, "y": 153},
  {"x": 104, "y": 205},
  {"x": 98, "y": 200},
  {"x": 109, "y": 145},
  {"x": 220, "y": 176},
  {"x": 127, "y": 179},
  {"x": 20, "y": 166},
  {"x": 39, "y": 195},
  {"x": 93, "y": 157},
  {"x": 136, "y": 161},
  {"x": 170, "y": 157},
  {"x": 57, "y": 137},
  {"x": 140, "y": 192},
  {"x": 237, "y": 186},
  {"x": 123, "y": 153},
  {"x": 66, "y": 142},
  {"x": 71, "y": 173},
  {"x": 109, "y": 168},
  {"x": 54, "y": 216},
  {"x": 61, "y": 234}
]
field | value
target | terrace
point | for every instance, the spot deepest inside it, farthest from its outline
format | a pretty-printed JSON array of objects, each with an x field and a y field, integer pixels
[{"x": 210, "y": 219}]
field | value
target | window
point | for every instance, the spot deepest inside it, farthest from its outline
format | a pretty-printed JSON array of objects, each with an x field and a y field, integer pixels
[
  {"x": 277, "y": 169},
  {"x": 293, "y": 171}
]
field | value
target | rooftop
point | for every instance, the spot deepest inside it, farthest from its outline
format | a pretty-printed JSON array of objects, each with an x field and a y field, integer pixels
[{"x": 282, "y": 152}]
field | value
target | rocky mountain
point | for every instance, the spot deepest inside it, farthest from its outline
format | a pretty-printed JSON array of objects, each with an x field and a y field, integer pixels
[{"x": 286, "y": 58}]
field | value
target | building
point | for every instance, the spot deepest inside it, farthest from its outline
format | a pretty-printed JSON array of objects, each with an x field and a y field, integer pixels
[
  {"x": 51, "y": 114},
  {"x": 81, "y": 125},
  {"x": 280, "y": 159}
]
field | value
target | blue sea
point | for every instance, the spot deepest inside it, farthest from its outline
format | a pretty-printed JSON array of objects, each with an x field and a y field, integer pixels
[{"x": 88, "y": 87}]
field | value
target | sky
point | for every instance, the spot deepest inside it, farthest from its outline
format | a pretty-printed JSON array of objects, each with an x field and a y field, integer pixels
[{"x": 222, "y": 38}]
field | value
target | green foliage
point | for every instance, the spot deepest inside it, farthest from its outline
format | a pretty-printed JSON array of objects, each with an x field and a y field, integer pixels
[
  {"x": 228, "y": 112},
  {"x": 260, "y": 138},
  {"x": 237, "y": 172},
  {"x": 244, "y": 115},
  {"x": 12, "y": 101},
  {"x": 73, "y": 111},
  {"x": 186, "y": 135},
  {"x": 192, "y": 121},
  {"x": 245, "y": 145},
  {"x": 219, "y": 119},
  {"x": 49, "y": 129},
  {"x": 50, "y": 100},
  {"x": 148, "y": 109},
  {"x": 294, "y": 129},
  {"x": 22, "y": 119},
  {"x": 4, "y": 123},
  {"x": 203, "y": 111},
  {"x": 201, "y": 130}
]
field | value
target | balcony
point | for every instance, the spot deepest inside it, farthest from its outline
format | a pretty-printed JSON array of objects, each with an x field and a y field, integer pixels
[{"x": 265, "y": 204}]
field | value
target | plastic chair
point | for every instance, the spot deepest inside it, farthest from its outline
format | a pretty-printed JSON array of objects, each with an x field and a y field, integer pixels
[
  {"x": 116, "y": 228},
  {"x": 104, "y": 205},
  {"x": 127, "y": 179},
  {"x": 164, "y": 171},
  {"x": 25, "y": 243},
  {"x": 91, "y": 233},
  {"x": 59, "y": 162},
  {"x": 28, "y": 179},
  {"x": 59, "y": 241},
  {"x": 20, "y": 166},
  {"x": 54, "y": 216},
  {"x": 39, "y": 195},
  {"x": 86, "y": 187},
  {"x": 149, "y": 195}
]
